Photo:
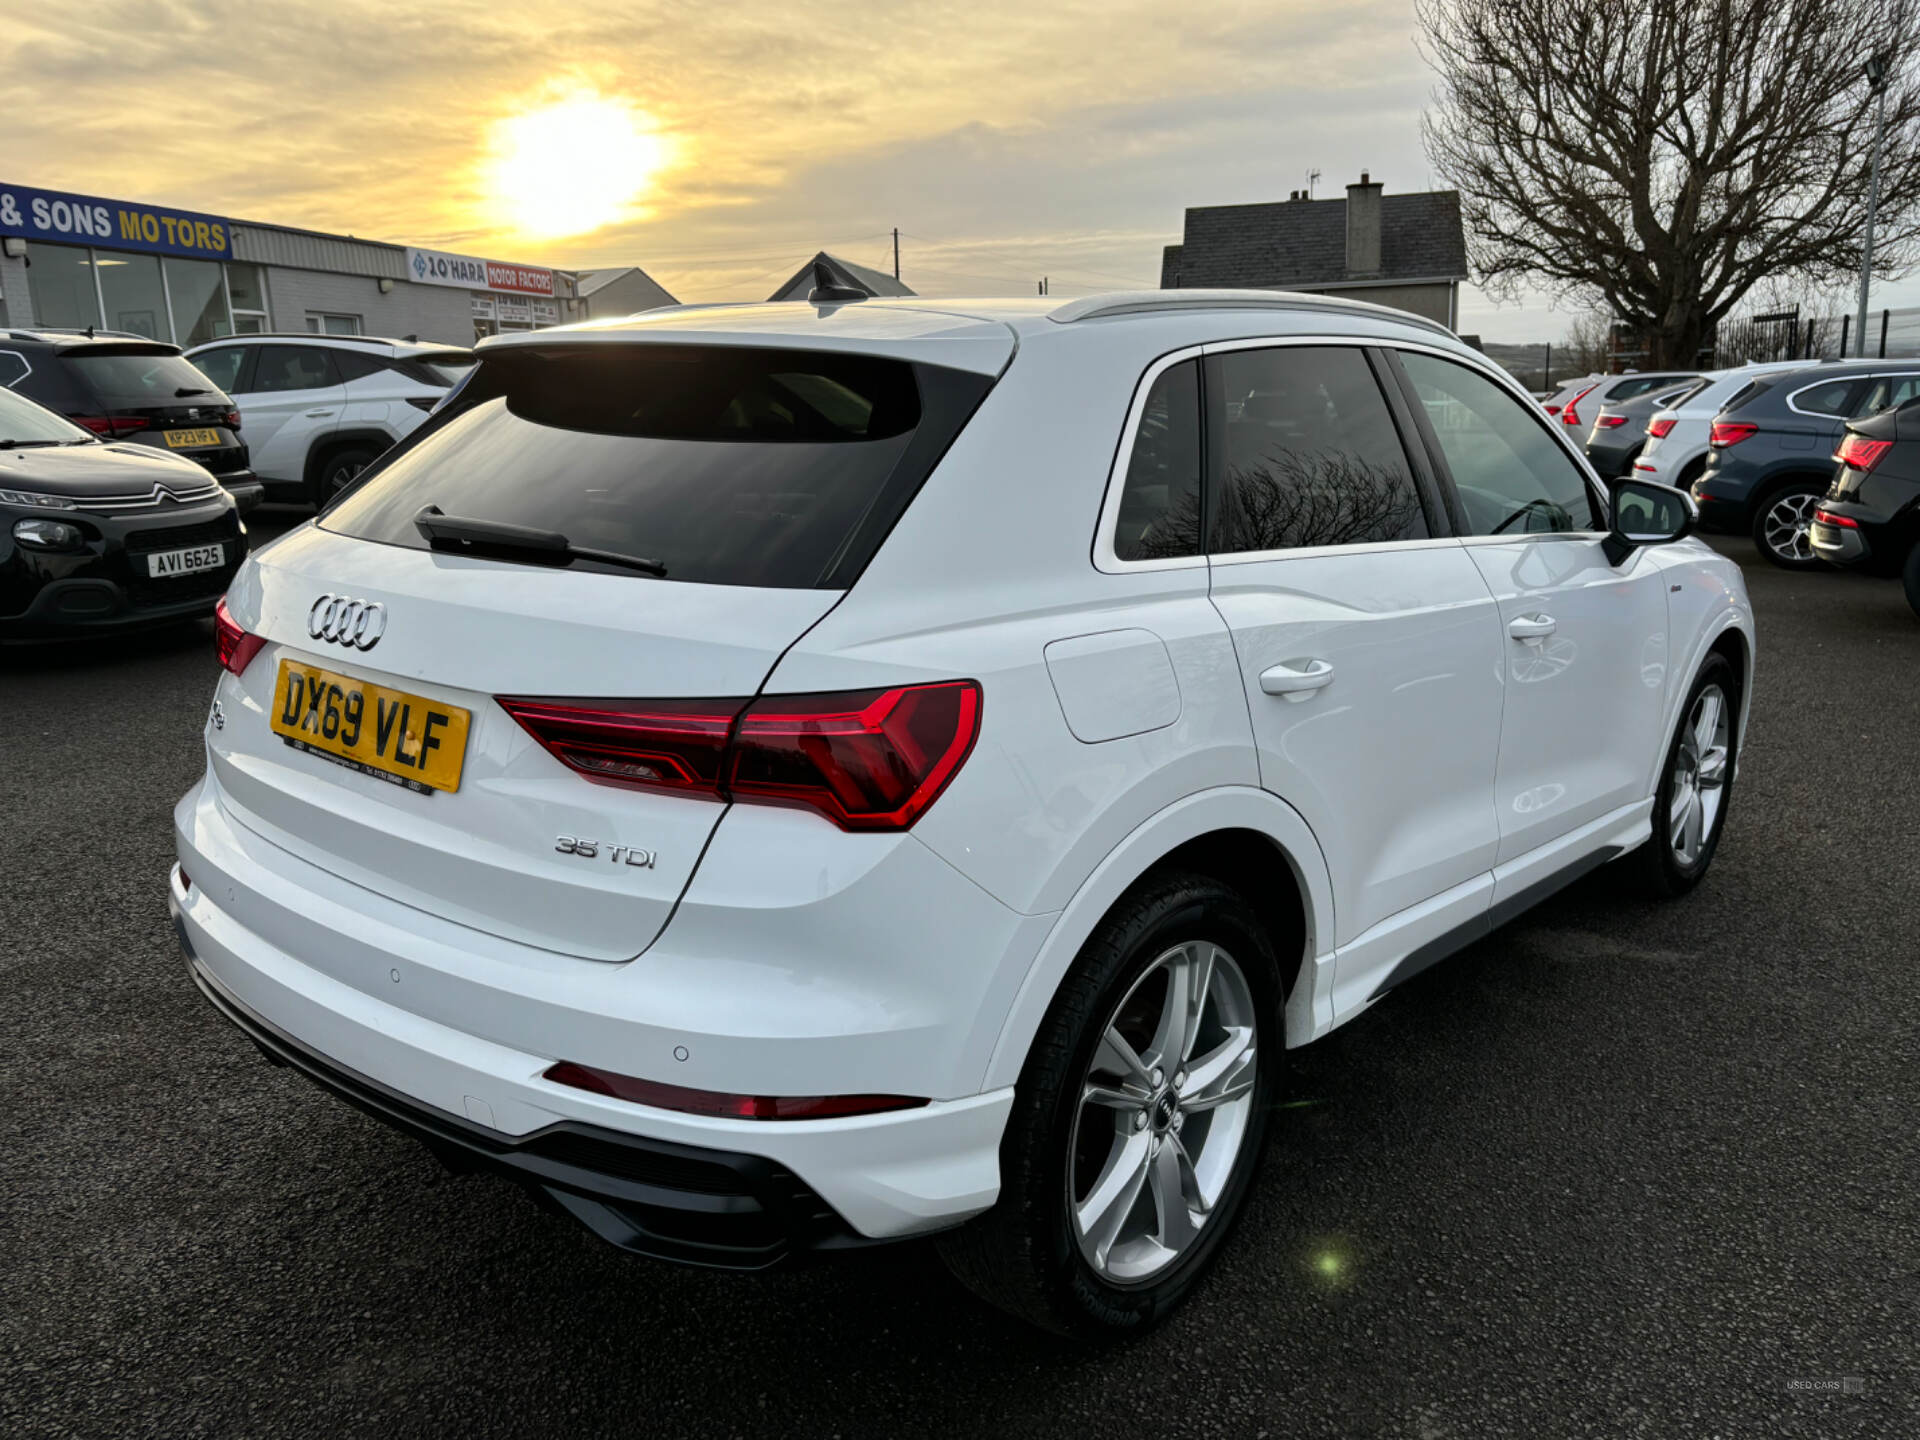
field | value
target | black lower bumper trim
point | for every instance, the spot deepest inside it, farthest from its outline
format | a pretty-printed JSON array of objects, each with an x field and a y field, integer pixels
[{"x": 667, "y": 1201}]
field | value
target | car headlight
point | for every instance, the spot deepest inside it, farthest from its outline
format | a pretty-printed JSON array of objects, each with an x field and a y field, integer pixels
[
  {"x": 30, "y": 497},
  {"x": 49, "y": 534}
]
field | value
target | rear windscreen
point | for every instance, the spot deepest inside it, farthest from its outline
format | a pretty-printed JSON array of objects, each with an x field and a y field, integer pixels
[
  {"x": 124, "y": 381},
  {"x": 729, "y": 465}
]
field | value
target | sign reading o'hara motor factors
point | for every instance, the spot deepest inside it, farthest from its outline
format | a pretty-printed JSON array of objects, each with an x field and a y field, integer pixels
[{"x": 467, "y": 272}]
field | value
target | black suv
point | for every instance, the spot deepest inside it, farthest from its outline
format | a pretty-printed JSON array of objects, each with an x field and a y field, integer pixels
[
  {"x": 1870, "y": 517},
  {"x": 98, "y": 535},
  {"x": 126, "y": 387},
  {"x": 1770, "y": 453}
]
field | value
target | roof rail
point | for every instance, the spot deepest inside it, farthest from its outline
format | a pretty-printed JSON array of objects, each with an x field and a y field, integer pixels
[
  {"x": 88, "y": 332},
  {"x": 1156, "y": 302},
  {"x": 311, "y": 335}
]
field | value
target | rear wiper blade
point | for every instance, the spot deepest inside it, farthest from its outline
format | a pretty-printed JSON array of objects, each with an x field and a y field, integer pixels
[
  {"x": 183, "y": 393},
  {"x": 28, "y": 444},
  {"x": 461, "y": 532}
]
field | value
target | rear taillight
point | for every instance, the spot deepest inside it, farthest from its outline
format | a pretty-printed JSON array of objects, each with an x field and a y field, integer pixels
[
  {"x": 1551, "y": 409},
  {"x": 1857, "y": 452},
  {"x": 1660, "y": 429},
  {"x": 232, "y": 420},
  {"x": 1607, "y": 422},
  {"x": 1571, "y": 415},
  {"x": 717, "y": 1102},
  {"x": 235, "y": 647},
  {"x": 866, "y": 759},
  {"x": 112, "y": 425},
  {"x": 1730, "y": 432},
  {"x": 1827, "y": 517}
]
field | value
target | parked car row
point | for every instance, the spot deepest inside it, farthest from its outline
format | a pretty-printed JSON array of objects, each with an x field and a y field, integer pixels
[
  {"x": 1757, "y": 446},
  {"x": 126, "y": 511}
]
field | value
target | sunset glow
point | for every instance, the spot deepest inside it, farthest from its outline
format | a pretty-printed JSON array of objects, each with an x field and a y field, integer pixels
[{"x": 571, "y": 166}]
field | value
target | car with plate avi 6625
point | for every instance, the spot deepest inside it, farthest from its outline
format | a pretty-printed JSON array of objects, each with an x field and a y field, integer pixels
[
  {"x": 794, "y": 777},
  {"x": 98, "y": 536}
]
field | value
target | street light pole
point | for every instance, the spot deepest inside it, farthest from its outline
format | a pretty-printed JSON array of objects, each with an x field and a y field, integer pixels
[{"x": 1876, "y": 73}]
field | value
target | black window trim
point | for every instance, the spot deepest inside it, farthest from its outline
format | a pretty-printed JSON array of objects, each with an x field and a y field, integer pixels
[
  {"x": 241, "y": 375},
  {"x": 1440, "y": 521},
  {"x": 1598, "y": 495}
]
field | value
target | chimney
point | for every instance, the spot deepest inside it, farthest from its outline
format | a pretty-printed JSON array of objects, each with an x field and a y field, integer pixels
[{"x": 1363, "y": 229}]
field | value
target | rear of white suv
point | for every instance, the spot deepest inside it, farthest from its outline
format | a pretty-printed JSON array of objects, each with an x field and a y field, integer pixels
[
  {"x": 320, "y": 408},
  {"x": 794, "y": 777}
]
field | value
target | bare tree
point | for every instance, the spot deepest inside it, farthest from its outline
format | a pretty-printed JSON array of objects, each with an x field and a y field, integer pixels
[
  {"x": 1585, "y": 350},
  {"x": 1661, "y": 157}
]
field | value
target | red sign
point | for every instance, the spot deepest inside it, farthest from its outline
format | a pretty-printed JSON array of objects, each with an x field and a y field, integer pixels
[{"x": 519, "y": 279}]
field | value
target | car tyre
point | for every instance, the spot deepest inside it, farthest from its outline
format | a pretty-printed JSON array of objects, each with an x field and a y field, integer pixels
[
  {"x": 1134, "y": 1135},
  {"x": 338, "y": 471},
  {"x": 1910, "y": 577},
  {"x": 1696, "y": 784},
  {"x": 1780, "y": 524}
]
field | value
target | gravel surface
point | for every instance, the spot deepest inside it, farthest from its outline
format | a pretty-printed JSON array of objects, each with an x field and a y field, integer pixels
[{"x": 1622, "y": 1169}]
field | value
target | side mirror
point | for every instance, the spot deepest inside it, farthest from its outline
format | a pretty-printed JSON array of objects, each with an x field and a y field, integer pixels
[{"x": 1642, "y": 513}]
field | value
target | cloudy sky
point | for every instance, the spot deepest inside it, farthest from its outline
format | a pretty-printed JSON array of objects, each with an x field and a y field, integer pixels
[{"x": 720, "y": 144}]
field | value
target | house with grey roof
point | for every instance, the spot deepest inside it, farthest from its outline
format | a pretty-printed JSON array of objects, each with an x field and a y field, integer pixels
[
  {"x": 844, "y": 274},
  {"x": 1408, "y": 251},
  {"x": 625, "y": 290}
]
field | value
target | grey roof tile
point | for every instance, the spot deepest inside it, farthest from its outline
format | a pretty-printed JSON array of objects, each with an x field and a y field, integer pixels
[{"x": 1294, "y": 243}]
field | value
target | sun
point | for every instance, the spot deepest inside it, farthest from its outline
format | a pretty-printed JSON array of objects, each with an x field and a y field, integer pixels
[{"x": 571, "y": 165}]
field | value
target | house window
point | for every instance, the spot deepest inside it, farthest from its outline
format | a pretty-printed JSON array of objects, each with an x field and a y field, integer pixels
[{"x": 327, "y": 323}]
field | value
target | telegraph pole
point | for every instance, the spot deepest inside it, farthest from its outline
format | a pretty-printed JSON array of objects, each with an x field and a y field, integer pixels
[
  {"x": 1876, "y": 72},
  {"x": 896, "y": 252}
]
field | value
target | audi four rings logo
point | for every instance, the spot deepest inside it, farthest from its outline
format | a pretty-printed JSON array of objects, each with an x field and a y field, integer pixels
[{"x": 359, "y": 623}]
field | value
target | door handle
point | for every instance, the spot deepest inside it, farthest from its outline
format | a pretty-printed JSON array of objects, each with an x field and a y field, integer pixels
[
  {"x": 1297, "y": 678},
  {"x": 318, "y": 414},
  {"x": 1531, "y": 627}
]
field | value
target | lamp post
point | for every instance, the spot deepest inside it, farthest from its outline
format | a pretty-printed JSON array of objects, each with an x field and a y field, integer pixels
[{"x": 1876, "y": 72}]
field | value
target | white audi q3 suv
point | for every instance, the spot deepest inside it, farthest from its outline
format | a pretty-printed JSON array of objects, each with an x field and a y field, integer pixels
[{"x": 788, "y": 777}]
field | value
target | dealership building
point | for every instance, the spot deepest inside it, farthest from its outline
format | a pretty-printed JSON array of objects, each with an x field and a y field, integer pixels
[{"x": 71, "y": 261}]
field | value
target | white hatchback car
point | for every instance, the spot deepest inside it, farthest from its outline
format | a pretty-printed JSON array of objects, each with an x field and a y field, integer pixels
[
  {"x": 318, "y": 409},
  {"x": 796, "y": 776}
]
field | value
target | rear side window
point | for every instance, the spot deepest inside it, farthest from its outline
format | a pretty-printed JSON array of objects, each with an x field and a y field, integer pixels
[
  {"x": 1308, "y": 453},
  {"x": 1160, "y": 500},
  {"x": 730, "y": 465},
  {"x": 1510, "y": 476},
  {"x": 357, "y": 365},
  {"x": 293, "y": 367},
  {"x": 132, "y": 380},
  {"x": 1827, "y": 399}
]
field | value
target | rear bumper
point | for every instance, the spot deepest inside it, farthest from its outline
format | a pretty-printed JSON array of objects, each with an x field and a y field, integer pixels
[
  {"x": 669, "y": 1202},
  {"x": 247, "y": 489},
  {"x": 1837, "y": 544},
  {"x": 459, "y": 1027}
]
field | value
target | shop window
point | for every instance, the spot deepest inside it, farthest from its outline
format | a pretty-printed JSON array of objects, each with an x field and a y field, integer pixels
[
  {"x": 135, "y": 299},
  {"x": 199, "y": 301},
  {"x": 323, "y": 323},
  {"x": 60, "y": 281}
]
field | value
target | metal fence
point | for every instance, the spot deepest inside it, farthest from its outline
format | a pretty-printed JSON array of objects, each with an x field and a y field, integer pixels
[{"x": 1789, "y": 335}]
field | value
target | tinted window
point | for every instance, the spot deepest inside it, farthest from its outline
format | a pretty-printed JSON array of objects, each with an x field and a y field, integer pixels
[
  {"x": 222, "y": 366},
  {"x": 13, "y": 366},
  {"x": 1160, "y": 500},
  {"x": 448, "y": 369},
  {"x": 133, "y": 381},
  {"x": 1827, "y": 399},
  {"x": 354, "y": 365},
  {"x": 1509, "y": 474},
  {"x": 1308, "y": 453},
  {"x": 730, "y": 465},
  {"x": 292, "y": 367},
  {"x": 1885, "y": 393}
]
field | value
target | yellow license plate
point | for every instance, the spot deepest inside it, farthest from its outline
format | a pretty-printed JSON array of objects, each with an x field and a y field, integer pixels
[
  {"x": 388, "y": 734},
  {"x": 186, "y": 439}
]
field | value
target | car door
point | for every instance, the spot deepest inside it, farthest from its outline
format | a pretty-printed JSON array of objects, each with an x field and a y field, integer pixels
[
  {"x": 294, "y": 397},
  {"x": 1584, "y": 649},
  {"x": 1368, "y": 644}
]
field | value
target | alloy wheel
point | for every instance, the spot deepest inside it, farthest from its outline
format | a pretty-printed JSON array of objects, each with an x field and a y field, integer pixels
[
  {"x": 1163, "y": 1113},
  {"x": 1786, "y": 524},
  {"x": 1699, "y": 776}
]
